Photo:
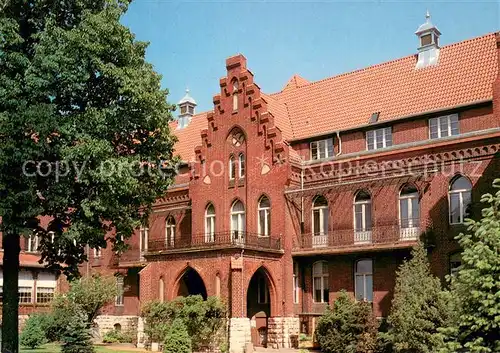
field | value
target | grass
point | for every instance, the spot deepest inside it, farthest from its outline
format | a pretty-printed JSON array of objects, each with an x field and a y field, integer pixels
[{"x": 54, "y": 348}]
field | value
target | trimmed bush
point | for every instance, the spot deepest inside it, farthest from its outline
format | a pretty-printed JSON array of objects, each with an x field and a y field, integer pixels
[
  {"x": 349, "y": 327},
  {"x": 177, "y": 339},
  {"x": 33, "y": 334},
  {"x": 115, "y": 336}
]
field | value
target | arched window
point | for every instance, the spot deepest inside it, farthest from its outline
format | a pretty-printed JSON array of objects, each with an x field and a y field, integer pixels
[
  {"x": 264, "y": 216},
  {"x": 362, "y": 217},
  {"x": 232, "y": 168},
  {"x": 170, "y": 232},
  {"x": 161, "y": 290},
  {"x": 241, "y": 165},
  {"x": 460, "y": 199},
  {"x": 143, "y": 239},
  {"x": 210, "y": 223},
  {"x": 235, "y": 95},
  {"x": 409, "y": 212},
  {"x": 363, "y": 273},
  {"x": 238, "y": 222},
  {"x": 120, "y": 289},
  {"x": 320, "y": 282},
  {"x": 320, "y": 221}
]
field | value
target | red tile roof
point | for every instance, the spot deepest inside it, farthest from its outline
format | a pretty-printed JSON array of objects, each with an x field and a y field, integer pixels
[{"x": 464, "y": 75}]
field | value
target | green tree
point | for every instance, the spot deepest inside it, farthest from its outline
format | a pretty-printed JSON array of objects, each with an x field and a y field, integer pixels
[
  {"x": 419, "y": 307},
  {"x": 349, "y": 327},
  {"x": 84, "y": 134},
  {"x": 77, "y": 338},
  {"x": 476, "y": 287},
  {"x": 33, "y": 333},
  {"x": 177, "y": 339}
]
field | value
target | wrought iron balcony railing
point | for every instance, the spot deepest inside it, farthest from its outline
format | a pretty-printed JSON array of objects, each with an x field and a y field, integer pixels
[
  {"x": 378, "y": 234},
  {"x": 235, "y": 239}
]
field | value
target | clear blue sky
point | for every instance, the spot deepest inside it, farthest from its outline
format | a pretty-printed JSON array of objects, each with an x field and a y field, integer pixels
[{"x": 190, "y": 40}]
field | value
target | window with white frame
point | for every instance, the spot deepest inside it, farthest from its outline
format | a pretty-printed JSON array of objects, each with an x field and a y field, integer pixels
[
  {"x": 44, "y": 295},
  {"x": 45, "y": 286},
  {"x": 362, "y": 212},
  {"x": 238, "y": 221},
  {"x": 322, "y": 149},
  {"x": 143, "y": 238},
  {"x": 235, "y": 95},
  {"x": 444, "y": 126},
  {"x": 455, "y": 263},
  {"x": 409, "y": 207},
  {"x": 26, "y": 284},
  {"x": 120, "y": 289},
  {"x": 232, "y": 168},
  {"x": 241, "y": 165},
  {"x": 25, "y": 295},
  {"x": 97, "y": 253},
  {"x": 296, "y": 287},
  {"x": 210, "y": 223},
  {"x": 379, "y": 138},
  {"x": 262, "y": 290},
  {"x": 320, "y": 216},
  {"x": 32, "y": 242},
  {"x": 320, "y": 282},
  {"x": 170, "y": 232},
  {"x": 363, "y": 273},
  {"x": 264, "y": 211},
  {"x": 460, "y": 199}
]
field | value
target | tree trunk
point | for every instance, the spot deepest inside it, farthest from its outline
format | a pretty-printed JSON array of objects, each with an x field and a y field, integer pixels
[{"x": 10, "y": 309}]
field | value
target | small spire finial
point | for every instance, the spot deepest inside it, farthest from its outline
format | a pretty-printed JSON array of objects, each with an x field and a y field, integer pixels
[
  {"x": 187, "y": 90},
  {"x": 428, "y": 15}
]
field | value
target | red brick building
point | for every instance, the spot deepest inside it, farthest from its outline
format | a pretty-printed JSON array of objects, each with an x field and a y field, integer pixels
[{"x": 285, "y": 199}]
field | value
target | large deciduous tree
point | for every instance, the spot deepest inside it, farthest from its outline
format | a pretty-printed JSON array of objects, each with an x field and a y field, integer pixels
[
  {"x": 476, "y": 287},
  {"x": 84, "y": 130}
]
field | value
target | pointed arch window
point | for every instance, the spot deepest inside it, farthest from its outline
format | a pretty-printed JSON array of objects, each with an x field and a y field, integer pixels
[
  {"x": 235, "y": 95},
  {"x": 409, "y": 212},
  {"x": 363, "y": 274},
  {"x": 320, "y": 282},
  {"x": 143, "y": 239},
  {"x": 362, "y": 217},
  {"x": 170, "y": 232},
  {"x": 460, "y": 199},
  {"x": 320, "y": 221},
  {"x": 241, "y": 165},
  {"x": 232, "y": 167},
  {"x": 264, "y": 216},
  {"x": 210, "y": 223},
  {"x": 238, "y": 222}
]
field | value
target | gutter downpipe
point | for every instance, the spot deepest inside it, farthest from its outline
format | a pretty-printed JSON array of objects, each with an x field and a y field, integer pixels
[{"x": 340, "y": 143}]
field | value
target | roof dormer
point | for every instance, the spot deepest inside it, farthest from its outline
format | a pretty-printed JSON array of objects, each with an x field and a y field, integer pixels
[
  {"x": 187, "y": 107},
  {"x": 428, "y": 50}
]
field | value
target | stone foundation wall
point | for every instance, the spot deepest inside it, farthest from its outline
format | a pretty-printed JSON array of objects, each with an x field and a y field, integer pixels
[
  {"x": 107, "y": 323},
  {"x": 239, "y": 334},
  {"x": 283, "y": 332}
]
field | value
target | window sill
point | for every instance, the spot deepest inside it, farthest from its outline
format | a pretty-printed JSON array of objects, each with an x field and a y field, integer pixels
[
  {"x": 231, "y": 183},
  {"x": 241, "y": 181}
]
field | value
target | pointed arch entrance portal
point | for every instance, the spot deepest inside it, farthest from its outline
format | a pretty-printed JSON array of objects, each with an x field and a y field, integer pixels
[
  {"x": 259, "y": 306},
  {"x": 191, "y": 283}
]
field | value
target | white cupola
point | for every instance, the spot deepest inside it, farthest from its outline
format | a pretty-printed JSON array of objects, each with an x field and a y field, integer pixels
[
  {"x": 187, "y": 107},
  {"x": 428, "y": 50}
]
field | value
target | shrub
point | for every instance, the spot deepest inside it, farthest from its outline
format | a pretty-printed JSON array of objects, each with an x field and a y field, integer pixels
[
  {"x": 33, "y": 334},
  {"x": 419, "y": 307},
  {"x": 177, "y": 339},
  {"x": 76, "y": 338},
  {"x": 204, "y": 319},
  {"x": 350, "y": 327},
  {"x": 115, "y": 336}
]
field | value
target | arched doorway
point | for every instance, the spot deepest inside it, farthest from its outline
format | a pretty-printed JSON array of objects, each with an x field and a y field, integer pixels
[
  {"x": 259, "y": 306},
  {"x": 191, "y": 283}
]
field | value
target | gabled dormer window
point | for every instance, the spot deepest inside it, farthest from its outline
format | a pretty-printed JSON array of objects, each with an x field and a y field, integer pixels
[
  {"x": 322, "y": 149},
  {"x": 444, "y": 126},
  {"x": 379, "y": 138}
]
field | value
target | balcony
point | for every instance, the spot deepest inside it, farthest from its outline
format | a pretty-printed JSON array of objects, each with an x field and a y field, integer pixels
[
  {"x": 379, "y": 237},
  {"x": 215, "y": 241}
]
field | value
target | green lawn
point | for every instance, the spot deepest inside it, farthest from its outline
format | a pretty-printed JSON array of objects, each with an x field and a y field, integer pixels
[{"x": 54, "y": 348}]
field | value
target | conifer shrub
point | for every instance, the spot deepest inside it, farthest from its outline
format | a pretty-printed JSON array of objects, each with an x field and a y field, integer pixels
[
  {"x": 177, "y": 339},
  {"x": 77, "y": 337},
  {"x": 33, "y": 333}
]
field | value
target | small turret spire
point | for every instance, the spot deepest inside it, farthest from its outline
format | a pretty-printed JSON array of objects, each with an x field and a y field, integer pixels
[
  {"x": 187, "y": 105},
  {"x": 428, "y": 36}
]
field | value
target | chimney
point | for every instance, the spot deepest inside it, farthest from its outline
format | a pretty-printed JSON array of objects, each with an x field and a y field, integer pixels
[
  {"x": 428, "y": 50},
  {"x": 187, "y": 105}
]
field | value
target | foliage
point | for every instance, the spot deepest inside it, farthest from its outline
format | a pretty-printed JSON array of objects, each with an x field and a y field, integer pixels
[
  {"x": 349, "y": 327},
  {"x": 116, "y": 336},
  {"x": 77, "y": 338},
  {"x": 419, "y": 307},
  {"x": 33, "y": 334},
  {"x": 204, "y": 319},
  {"x": 177, "y": 339},
  {"x": 84, "y": 133},
  {"x": 476, "y": 287}
]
